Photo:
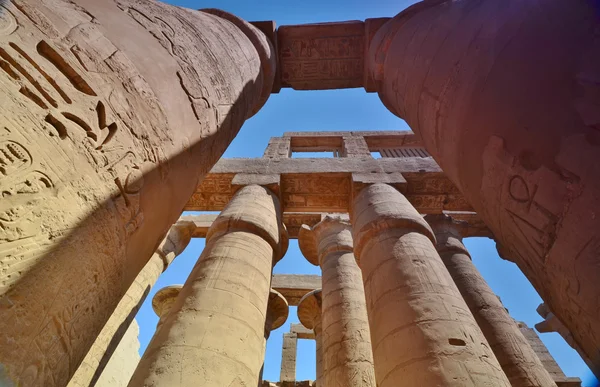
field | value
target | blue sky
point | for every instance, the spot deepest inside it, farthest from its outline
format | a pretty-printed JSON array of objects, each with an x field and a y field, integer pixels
[{"x": 340, "y": 110}]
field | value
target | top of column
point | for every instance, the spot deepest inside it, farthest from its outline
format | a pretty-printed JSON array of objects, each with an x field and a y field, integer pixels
[
  {"x": 332, "y": 233},
  {"x": 379, "y": 207},
  {"x": 277, "y": 311},
  {"x": 254, "y": 209},
  {"x": 177, "y": 239},
  {"x": 309, "y": 309},
  {"x": 164, "y": 299},
  {"x": 448, "y": 232}
]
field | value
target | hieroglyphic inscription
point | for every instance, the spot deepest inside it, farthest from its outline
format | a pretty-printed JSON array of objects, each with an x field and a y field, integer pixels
[
  {"x": 38, "y": 86},
  {"x": 322, "y": 56}
]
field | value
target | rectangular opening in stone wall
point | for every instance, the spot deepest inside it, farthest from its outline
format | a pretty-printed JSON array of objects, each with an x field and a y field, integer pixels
[
  {"x": 315, "y": 155},
  {"x": 376, "y": 154}
]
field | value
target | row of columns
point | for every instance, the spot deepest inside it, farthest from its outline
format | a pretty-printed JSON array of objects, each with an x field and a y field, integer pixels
[{"x": 401, "y": 303}]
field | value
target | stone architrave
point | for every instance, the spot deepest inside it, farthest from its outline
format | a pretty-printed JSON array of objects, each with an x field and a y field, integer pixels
[
  {"x": 112, "y": 111},
  {"x": 518, "y": 360},
  {"x": 471, "y": 78},
  {"x": 346, "y": 339},
  {"x": 552, "y": 323},
  {"x": 309, "y": 314},
  {"x": 214, "y": 333},
  {"x": 422, "y": 331},
  {"x": 277, "y": 313},
  {"x": 107, "y": 342}
]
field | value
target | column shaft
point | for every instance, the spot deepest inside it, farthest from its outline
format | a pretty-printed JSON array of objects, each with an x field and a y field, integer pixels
[
  {"x": 422, "y": 331},
  {"x": 514, "y": 353},
  {"x": 346, "y": 339},
  {"x": 111, "y": 114},
  {"x": 471, "y": 79},
  {"x": 346, "y": 336},
  {"x": 320, "y": 361},
  {"x": 288, "y": 357},
  {"x": 107, "y": 341},
  {"x": 214, "y": 333}
]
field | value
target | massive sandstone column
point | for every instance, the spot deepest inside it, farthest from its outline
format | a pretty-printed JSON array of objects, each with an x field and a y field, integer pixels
[
  {"x": 277, "y": 313},
  {"x": 95, "y": 361},
  {"x": 112, "y": 111},
  {"x": 309, "y": 314},
  {"x": 505, "y": 96},
  {"x": 214, "y": 333},
  {"x": 163, "y": 301},
  {"x": 514, "y": 353},
  {"x": 346, "y": 340},
  {"x": 422, "y": 331}
]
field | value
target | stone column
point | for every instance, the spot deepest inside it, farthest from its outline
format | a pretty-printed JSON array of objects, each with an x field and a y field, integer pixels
[
  {"x": 422, "y": 331},
  {"x": 309, "y": 314},
  {"x": 288, "y": 358},
  {"x": 214, "y": 334},
  {"x": 346, "y": 338},
  {"x": 112, "y": 111},
  {"x": 277, "y": 313},
  {"x": 102, "y": 350},
  {"x": 513, "y": 351},
  {"x": 471, "y": 79}
]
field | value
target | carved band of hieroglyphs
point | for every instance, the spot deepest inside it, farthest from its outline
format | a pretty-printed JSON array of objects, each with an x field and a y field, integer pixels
[{"x": 322, "y": 56}]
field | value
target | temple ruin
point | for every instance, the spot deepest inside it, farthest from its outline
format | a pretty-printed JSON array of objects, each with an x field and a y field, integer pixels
[{"x": 110, "y": 107}]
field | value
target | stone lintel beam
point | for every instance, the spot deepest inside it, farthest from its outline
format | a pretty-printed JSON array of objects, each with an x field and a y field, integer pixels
[
  {"x": 293, "y": 287},
  {"x": 374, "y": 139},
  {"x": 270, "y": 181},
  {"x": 293, "y": 222},
  {"x": 326, "y": 56},
  {"x": 325, "y": 185},
  {"x": 302, "y": 332}
]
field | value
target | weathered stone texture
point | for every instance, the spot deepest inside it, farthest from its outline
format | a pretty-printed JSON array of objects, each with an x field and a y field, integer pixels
[
  {"x": 123, "y": 362},
  {"x": 309, "y": 314},
  {"x": 288, "y": 357},
  {"x": 546, "y": 358},
  {"x": 471, "y": 79},
  {"x": 516, "y": 357},
  {"x": 346, "y": 339},
  {"x": 108, "y": 107},
  {"x": 421, "y": 329},
  {"x": 216, "y": 326}
]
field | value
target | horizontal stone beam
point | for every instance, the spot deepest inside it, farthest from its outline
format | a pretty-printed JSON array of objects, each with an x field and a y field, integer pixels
[
  {"x": 294, "y": 221},
  {"x": 302, "y": 332},
  {"x": 293, "y": 287},
  {"x": 325, "y": 185}
]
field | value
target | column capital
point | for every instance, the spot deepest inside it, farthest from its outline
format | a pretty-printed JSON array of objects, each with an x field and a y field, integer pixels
[
  {"x": 448, "y": 233},
  {"x": 277, "y": 311},
  {"x": 332, "y": 233},
  {"x": 309, "y": 310},
  {"x": 379, "y": 207},
  {"x": 163, "y": 300},
  {"x": 177, "y": 239},
  {"x": 254, "y": 209}
]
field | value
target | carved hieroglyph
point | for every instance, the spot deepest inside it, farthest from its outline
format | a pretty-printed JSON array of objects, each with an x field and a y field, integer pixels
[
  {"x": 214, "y": 333},
  {"x": 516, "y": 357},
  {"x": 346, "y": 341},
  {"x": 111, "y": 113},
  {"x": 101, "y": 353},
  {"x": 422, "y": 332},
  {"x": 505, "y": 96}
]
